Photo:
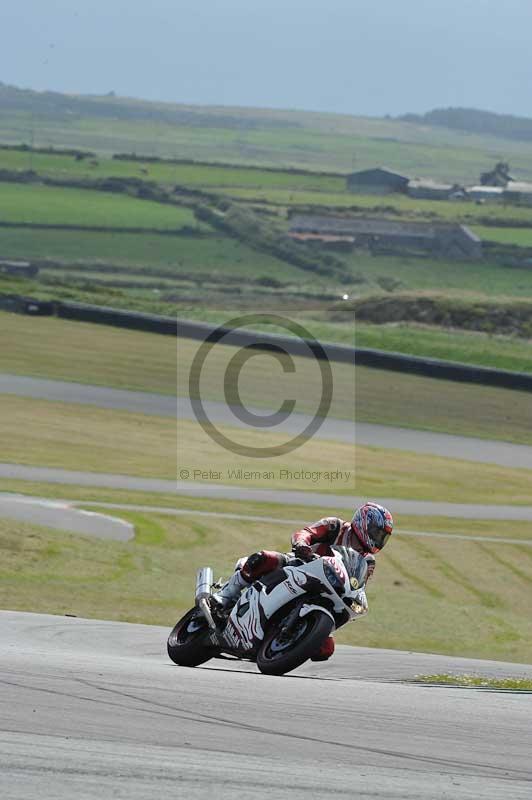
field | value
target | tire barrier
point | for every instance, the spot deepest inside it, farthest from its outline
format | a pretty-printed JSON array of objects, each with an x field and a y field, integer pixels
[
  {"x": 444, "y": 370},
  {"x": 116, "y": 317},
  {"x": 186, "y": 329},
  {"x": 27, "y": 305},
  {"x": 134, "y": 320},
  {"x": 377, "y": 359}
]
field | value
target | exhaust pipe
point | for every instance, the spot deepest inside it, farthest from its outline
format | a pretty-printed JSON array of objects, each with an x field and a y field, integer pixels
[{"x": 204, "y": 581}]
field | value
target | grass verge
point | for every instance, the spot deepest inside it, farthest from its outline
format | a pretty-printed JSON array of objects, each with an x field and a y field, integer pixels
[
  {"x": 477, "y": 682},
  {"x": 411, "y": 401},
  {"x": 47, "y": 347},
  {"x": 151, "y": 578},
  {"x": 370, "y": 471},
  {"x": 77, "y": 437}
]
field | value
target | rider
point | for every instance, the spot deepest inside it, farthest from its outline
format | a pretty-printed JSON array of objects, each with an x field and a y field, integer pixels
[{"x": 367, "y": 533}]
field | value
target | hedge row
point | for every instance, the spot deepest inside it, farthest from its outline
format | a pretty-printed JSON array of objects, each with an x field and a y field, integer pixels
[{"x": 263, "y": 235}]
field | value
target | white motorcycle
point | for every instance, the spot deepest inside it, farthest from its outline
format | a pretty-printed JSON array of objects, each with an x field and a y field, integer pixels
[{"x": 281, "y": 620}]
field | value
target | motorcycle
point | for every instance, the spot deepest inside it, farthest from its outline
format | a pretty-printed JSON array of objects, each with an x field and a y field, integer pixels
[{"x": 280, "y": 621}]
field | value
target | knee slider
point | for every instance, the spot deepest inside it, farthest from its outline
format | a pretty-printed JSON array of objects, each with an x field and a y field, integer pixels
[{"x": 253, "y": 564}]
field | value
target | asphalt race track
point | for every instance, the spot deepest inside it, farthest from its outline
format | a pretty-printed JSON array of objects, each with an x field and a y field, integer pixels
[
  {"x": 96, "y": 710},
  {"x": 485, "y": 451},
  {"x": 63, "y": 516},
  {"x": 237, "y": 493}
]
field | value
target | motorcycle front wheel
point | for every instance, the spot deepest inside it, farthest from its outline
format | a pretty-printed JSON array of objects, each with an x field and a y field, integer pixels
[
  {"x": 282, "y": 652},
  {"x": 189, "y": 644}
]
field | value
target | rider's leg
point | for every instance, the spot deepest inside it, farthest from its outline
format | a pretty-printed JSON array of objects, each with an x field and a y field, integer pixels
[
  {"x": 246, "y": 571},
  {"x": 230, "y": 591}
]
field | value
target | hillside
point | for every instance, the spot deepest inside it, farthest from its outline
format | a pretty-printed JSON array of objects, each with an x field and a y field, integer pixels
[
  {"x": 266, "y": 137},
  {"x": 473, "y": 120}
]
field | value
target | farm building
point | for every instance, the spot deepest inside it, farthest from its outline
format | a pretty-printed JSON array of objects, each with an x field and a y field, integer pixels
[
  {"x": 498, "y": 176},
  {"x": 486, "y": 194},
  {"x": 376, "y": 181},
  {"x": 520, "y": 193},
  {"x": 423, "y": 189},
  {"x": 390, "y": 236}
]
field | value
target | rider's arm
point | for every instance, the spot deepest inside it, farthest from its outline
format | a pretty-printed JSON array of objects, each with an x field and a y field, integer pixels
[
  {"x": 324, "y": 531},
  {"x": 370, "y": 561}
]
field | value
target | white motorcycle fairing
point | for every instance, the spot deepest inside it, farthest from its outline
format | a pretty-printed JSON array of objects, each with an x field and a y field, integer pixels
[{"x": 324, "y": 581}]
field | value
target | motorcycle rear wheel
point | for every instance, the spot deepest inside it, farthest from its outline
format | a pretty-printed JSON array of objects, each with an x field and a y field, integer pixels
[
  {"x": 189, "y": 644},
  {"x": 278, "y": 655}
]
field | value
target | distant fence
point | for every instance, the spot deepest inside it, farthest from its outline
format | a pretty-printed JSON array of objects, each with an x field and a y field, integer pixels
[
  {"x": 377, "y": 359},
  {"x": 151, "y": 323}
]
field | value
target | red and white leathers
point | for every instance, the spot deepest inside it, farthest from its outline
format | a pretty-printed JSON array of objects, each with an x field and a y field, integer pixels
[
  {"x": 321, "y": 535},
  {"x": 317, "y": 538}
]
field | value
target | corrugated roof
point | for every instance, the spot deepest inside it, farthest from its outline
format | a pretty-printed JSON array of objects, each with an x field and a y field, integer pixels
[
  {"x": 356, "y": 226},
  {"x": 380, "y": 170},
  {"x": 421, "y": 183},
  {"x": 486, "y": 189},
  {"x": 519, "y": 186},
  {"x": 351, "y": 226}
]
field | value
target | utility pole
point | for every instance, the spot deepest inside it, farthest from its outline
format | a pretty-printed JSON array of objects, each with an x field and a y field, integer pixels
[{"x": 32, "y": 138}]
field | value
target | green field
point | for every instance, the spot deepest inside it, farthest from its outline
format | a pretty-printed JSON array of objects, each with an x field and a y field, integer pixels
[
  {"x": 52, "y": 205},
  {"x": 522, "y": 237},
  {"x": 393, "y": 205},
  {"x": 175, "y": 255},
  {"x": 467, "y": 347},
  {"x": 282, "y": 187},
  {"x": 398, "y": 273},
  {"x": 194, "y": 175},
  {"x": 278, "y": 138}
]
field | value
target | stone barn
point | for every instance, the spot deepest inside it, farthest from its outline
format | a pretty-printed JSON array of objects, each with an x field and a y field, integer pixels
[
  {"x": 376, "y": 181},
  {"x": 394, "y": 237}
]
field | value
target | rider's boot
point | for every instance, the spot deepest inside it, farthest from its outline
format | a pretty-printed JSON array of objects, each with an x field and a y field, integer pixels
[
  {"x": 230, "y": 591},
  {"x": 326, "y": 650}
]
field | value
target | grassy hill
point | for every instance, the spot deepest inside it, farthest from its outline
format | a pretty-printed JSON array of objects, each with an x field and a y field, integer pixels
[
  {"x": 209, "y": 237},
  {"x": 253, "y": 136}
]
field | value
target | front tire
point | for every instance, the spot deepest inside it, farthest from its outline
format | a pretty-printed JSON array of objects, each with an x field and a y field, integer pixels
[
  {"x": 189, "y": 644},
  {"x": 279, "y": 654}
]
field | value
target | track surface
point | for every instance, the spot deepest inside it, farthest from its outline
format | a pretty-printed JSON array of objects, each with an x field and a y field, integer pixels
[
  {"x": 237, "y": 493},
  {"x": 461, "y": 447},
  {"x": 95, "y": 710},
  {"x": 63, "y": 516}
]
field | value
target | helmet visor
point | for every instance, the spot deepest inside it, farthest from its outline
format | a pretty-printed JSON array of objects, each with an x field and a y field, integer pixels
[{"x": 379, "y": 537}]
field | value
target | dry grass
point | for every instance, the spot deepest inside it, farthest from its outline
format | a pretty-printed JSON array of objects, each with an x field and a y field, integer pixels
[
  {"x": 95, "y": 354},
  {"x": 373, "y": 471},
  {"x": 262, "y": 381},
  {"x": 77, "y": 437},
  {"x": 411, "y": 401}
]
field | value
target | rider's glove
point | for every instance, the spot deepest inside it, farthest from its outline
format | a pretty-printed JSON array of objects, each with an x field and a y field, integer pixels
[
  {"x": 303, "y": 551},
  {"x": 370, "y": 561}
]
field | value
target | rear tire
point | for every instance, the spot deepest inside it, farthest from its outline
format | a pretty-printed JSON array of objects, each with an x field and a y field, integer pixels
[
  {"x": 277, "y": 656},
  {"x": 189, "y": 644}
]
